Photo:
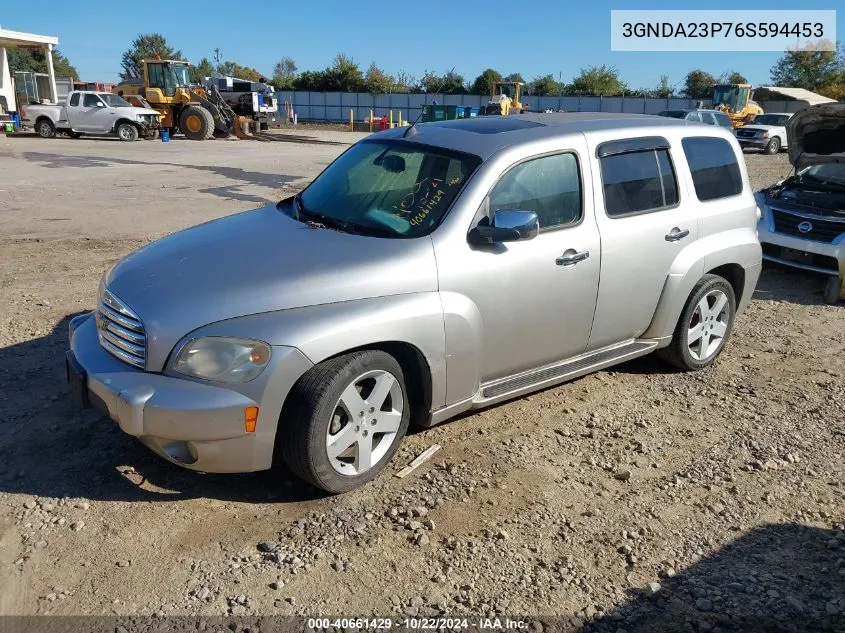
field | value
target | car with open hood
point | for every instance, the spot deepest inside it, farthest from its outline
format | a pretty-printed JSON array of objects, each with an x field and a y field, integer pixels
[
  {"x": 803, "y": 216},
  {"x": 767, "y": 132},
  {"x": 428, "y": 271}
]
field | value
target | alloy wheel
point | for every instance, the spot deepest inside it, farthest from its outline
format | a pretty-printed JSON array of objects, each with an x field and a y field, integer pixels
[{"x": 708, "y": 325}]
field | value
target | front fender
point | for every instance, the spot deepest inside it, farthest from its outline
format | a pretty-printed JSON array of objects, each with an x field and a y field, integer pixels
[
  {"x": 322, "y": 331},
  {"x": 739, "y": 246}
]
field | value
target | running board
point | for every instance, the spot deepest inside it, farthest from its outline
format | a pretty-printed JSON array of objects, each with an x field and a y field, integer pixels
[{"x": 535, "y": 379}]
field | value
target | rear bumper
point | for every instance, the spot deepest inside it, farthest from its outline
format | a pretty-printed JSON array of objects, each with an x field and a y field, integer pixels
[{"x": 192, "y": 424}]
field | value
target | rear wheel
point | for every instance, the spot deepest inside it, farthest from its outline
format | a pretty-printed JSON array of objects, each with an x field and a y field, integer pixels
[
  {"x": 127, "y": 132},
  {"x": 345, "y": 420},
  {"x": 45, "y": 128},
  {"x": 704, "y": 326},
  {"x": 196, "y": 123},
  {"x": 773, "y": 147}
]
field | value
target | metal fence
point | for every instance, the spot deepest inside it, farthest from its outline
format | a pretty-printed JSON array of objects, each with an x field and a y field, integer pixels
[{"x": 336, "y": 106}]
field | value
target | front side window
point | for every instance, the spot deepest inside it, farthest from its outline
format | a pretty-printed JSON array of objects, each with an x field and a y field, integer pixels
[
  {"x": 90, "y": 101},
  {"x": 160, "y": 76},
  {"x": 387, "y": 188},
  {"x": 550, "y": 186},
  {"x": 638, "y": 182},
  {"x": 715, "y": 171}
]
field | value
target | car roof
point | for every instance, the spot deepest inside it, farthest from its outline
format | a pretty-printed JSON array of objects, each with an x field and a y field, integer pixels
[
  {"x": 486, "y": 135},
  {"x": 777, "y": 113}
]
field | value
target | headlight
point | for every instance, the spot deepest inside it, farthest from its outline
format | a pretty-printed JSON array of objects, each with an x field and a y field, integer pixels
[
  {"x": 764, "y": 134},
  {"x": 223, "y": 359}
]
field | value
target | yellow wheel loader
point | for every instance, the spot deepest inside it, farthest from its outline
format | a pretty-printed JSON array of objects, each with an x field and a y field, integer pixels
[
  {"x": 198, "y": 112},
  {"x": 735, "y": 101},
  {"x": 504, "y": 99}
]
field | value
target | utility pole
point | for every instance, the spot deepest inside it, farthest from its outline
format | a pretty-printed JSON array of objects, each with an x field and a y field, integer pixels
[{"x": 217, "y": 57}]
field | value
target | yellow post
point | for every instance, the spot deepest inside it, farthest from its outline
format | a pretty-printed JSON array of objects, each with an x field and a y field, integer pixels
[
  {"x": 351, "y": 121},
  {"x": 400, "y": 119},
  {"x": 390, "y": 120},
  {"x": 371, "y": 120}
]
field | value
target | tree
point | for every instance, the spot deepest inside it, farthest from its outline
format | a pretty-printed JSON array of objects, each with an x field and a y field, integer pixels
[
  {"x": 664, "y": 88},
  {"x": 403, "y": 82},
  {"x": 483, "y": 84},
  {"x": 514, "y": 77},
  {"x": 233, "y": 69},
  {"x": 732, "y": 77},
  {"x": 699, "y": 85},
  {"x": 203, "y": 69},
  {"x": 598, "y": 80},
  {"x": 312, "y": 80},
  {"x": 449, "y": 84},
  {"x": 376, "y": 81},
  {"x": 148, "y": 46},
  {"x": 545, "y": 86},
  {"x": 344, "y": 75},
  {"x": 284, "y": 73},
  {"x": 34, "y": 60},
  {"x": 808, "y": 67}
]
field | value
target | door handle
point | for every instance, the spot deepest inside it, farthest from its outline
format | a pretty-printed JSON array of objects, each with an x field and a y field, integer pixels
[
  {"x": 571, "y": 256},
  {"x": 676, "y": 234}
]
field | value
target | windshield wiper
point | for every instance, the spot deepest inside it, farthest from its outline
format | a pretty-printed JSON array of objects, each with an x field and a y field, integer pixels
[{"x": 315, "y": 219}]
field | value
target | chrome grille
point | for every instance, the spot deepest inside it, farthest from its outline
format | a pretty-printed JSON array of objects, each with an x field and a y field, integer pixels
[
  {"x": 745, "y": 133},
  {"x": 121, "y": 331}
]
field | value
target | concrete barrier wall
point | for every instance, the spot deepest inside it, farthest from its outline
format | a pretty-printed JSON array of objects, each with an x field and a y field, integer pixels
[{"x": 335, "y": 106}]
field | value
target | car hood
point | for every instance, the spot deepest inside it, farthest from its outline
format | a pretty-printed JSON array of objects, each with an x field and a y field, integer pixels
[
  {"x": 259, "y": 261},
  {"x": 764, "y": 128},
  {"x": 137, "y": 110},
  {"x": 817, "y": 135}
]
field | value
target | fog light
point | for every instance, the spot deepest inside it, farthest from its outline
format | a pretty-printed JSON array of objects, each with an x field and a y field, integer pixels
[{"x": 250, "y": 419}]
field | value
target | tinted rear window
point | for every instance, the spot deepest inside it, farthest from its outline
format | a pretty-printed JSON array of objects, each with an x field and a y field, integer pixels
[
  {"x": 637, "y": 182},
  {"x": 715, "y": 171},
  {"x": 74, "y": 99}
]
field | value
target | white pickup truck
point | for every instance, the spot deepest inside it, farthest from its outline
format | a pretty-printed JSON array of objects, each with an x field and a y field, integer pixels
[{"x": 95, "y": 113}]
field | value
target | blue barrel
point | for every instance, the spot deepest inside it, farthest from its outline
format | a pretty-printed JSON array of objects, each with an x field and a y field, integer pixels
[
  {"x": 165, "y": 136},
  {"x": 16, "y": 120}
]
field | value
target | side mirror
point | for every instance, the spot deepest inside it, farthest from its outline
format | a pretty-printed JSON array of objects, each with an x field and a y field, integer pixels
[
  {"x": 509, "y": 225},
  {"x": 100, "y": 104}
]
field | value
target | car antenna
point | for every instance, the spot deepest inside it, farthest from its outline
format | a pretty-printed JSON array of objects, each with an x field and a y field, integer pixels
[{"x": 439, "y": 88}]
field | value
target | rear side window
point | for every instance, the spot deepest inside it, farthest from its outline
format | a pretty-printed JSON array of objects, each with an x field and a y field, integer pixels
[
  {"x": 723, "y": 119},
  {"x": 74, "y": 99},
  {"x": 638, "y": 182},
  {"x": 715, "y": 171}
]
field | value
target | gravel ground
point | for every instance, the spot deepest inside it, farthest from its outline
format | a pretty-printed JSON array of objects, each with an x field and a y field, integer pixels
[{"x": 633, "y": 500}]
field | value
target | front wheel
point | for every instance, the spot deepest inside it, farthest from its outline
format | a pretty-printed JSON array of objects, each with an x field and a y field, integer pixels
[
  {"x": 127, "y": 132},
  {"x": 773, "y": 147},
  {"x": 832, "y": 290},
  {"x": 345, "y": 420},
  {"x": 704, "y": 325}
]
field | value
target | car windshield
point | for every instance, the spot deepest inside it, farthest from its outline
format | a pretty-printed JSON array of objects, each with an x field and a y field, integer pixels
[
  {"x": 386, "y": 188},
  {"x": 181, "y": 73},
  {"x": 772, "y": 119},
  {"x": 675, "y": 114},
  {"x": 114, "y": 101},
  {"x": 828, "y": 173}
]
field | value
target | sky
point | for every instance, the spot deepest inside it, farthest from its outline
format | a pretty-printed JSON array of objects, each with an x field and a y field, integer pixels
[{"x": 532, "y": 37}]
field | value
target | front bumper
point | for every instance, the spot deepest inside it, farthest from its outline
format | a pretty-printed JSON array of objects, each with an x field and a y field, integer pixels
[
  {"x": 189, "y": 423},
  {"x": 753, "y": 143}
]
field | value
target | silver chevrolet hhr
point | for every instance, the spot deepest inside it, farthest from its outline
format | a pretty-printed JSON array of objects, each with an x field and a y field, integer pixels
[{"x": 427, "y": 271}]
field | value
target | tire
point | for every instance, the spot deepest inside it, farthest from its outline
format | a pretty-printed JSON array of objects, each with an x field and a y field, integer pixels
[
  {"x": 196, "y": 123},
  {"x": 328, "y": 404},
  {"x": 127, "y": 132},
  {"x": 686, "y": 353},
  {"x": 773, "y": 147},
  {"x": 832, "y": 290},
  {"x": 45, "y": 128}
]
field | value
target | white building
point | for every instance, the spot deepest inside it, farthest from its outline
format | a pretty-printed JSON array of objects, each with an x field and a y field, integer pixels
[{"x": 14, "y": 39}]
